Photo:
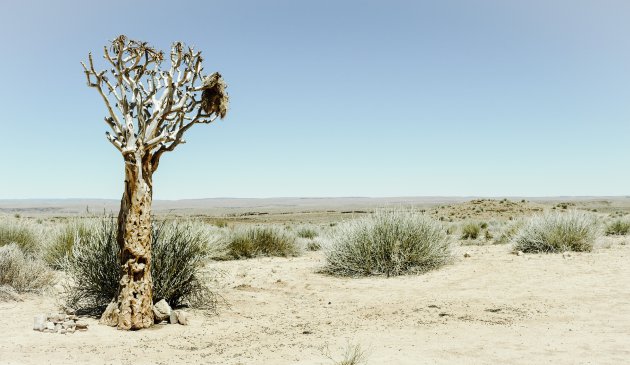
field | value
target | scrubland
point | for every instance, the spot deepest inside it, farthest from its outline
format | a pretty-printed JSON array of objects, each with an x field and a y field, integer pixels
[{"x": 483, "y": 281}]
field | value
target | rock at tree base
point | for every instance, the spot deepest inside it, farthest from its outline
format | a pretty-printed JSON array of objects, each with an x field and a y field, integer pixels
[
  {"x": 182, "y": 318},
  {"x": 161, "y": 311},
  {"x": 173, "y": 317},
  {"x": 110, "y": 316}
]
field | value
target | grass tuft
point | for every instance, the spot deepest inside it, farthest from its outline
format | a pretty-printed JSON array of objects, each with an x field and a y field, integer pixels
[
  {"x": 22, "y": 272},
  {"x": 387, "y": 243},
  {"x": 471, "y": 231},
  {"x": 261, "y": 241},
  {"x": 558, "y": 232},
  {"x": 618, "y": 227},
  {"x": 20, "y": 233}
]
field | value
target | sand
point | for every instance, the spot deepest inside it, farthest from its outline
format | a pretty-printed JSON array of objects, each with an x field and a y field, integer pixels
[{"x": 490, "y": 308}]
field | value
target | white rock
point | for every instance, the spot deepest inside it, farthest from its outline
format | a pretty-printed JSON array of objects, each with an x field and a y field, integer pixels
[
  {"x": 110, "y": 316},
  {"x": 161, "y": 311},
  {"x": 50, "y": 326},
  {"x": 39, "y": 323},
  {"x": 520, "y": 253},
  {"x": 173, "y": 317},
  {"x": 182, "y": 318}
]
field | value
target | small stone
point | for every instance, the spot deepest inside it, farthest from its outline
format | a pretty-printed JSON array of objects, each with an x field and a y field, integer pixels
[
  {"x": 50, "y": 326},
  {"x": 70, "y": 330},
  {"x": 73, "y": 317},
  {"x": 39, "y": 323},
  {"x": 68, "y": 324},
  {"x": 58, "y": 327},
  {"x": 70, "y": 311},
  {"x": 62, "y": 331},
  {"x": 466, "y": 254},
  {"x": 520, "y": 253},
  {"x": 161, "y": 311},
  {"x": 80, "y": 325},
  {"x": 182, "y": 318},
  {"x": 110, "y": 316},
  {"x": 173, "y": 317}
]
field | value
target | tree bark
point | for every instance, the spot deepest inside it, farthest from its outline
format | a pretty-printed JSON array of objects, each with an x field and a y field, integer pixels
[{"x": 135, "y": 291}]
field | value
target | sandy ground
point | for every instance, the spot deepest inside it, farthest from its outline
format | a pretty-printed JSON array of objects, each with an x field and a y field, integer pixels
[{"x": 490, "y": 308}]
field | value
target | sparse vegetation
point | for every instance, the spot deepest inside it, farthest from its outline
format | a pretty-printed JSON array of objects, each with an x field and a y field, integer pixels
[
  {"x": 387, "y": 243},
  {"x": 557, "y": 232},
  {"x": 180, "y": 250},
  {"x": 261, "y": 241},
  {"x": 618, "y": 227},
  {"x": 22, "y": 272}
]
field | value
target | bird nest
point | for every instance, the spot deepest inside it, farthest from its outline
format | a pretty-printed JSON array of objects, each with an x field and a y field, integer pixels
[{"x": 214, "y": 98}]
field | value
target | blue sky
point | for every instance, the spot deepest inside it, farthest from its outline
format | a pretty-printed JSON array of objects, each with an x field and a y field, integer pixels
[{"x": 335, "y": 98}]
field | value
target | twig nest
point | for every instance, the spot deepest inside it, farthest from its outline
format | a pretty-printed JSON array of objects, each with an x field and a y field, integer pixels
[{"x": 214, "y": 98}]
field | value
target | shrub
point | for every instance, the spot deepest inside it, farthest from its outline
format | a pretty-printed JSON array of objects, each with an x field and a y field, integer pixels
[
  {"x": 508, "y": 232},
  {"x": 22, "y": 272},
  {"x": 618, "y": 227},
  {"x": 387, "y": 242},
  {"x": 307, "y": 232},
  {"x": 179, "y": 252},
  {"x": 72, "y": 233},
  {"x": 261, "y": 241},
  {"x": 20, "y": 233},
  {"x": 557, "y": 232},
  {"x": 471, "y": 231}
]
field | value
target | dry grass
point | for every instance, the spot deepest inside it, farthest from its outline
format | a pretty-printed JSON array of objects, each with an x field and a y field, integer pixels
[
  {"x": 23, "y": 272},
  {"x": 558, "y": 232},
  {"x": 21, "y": 233},
  {"x": 255, "y": 241},
  {"x": 388, "y": 243}
]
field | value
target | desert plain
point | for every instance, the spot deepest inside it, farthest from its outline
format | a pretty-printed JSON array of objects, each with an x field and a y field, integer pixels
[{"x": 487, "y": 306}]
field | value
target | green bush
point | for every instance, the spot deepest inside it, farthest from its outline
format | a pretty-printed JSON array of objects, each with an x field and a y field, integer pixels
[
  {"x": 471, "y": 231},
  {"x": 307, "y": 232},
  {"x": 387, "y": 243},
  {"x": 558, "y": 232},
  {"x": 71, "y": 233},
  {"x": 261, "y": 241},
  {"x": 618, "y": 227},
  {"x": 179, "y": 253},
  {"x": 20, "y": 233},
  {"x": 22, "y": 272}
]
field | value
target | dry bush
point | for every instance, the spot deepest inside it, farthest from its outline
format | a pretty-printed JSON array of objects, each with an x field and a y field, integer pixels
[
  {"x": 23, "y": 272},
  {"x": 618, "y": 227},
  {"x": 21, "y": 233},
  {"x": 180, "y": 251},
  {"x": 388, "y": 243},
  {"x": 558, "y": 232},
  {"x": 255, "y": 241}
]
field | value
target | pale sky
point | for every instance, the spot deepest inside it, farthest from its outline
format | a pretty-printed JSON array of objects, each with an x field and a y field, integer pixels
[{"x": 335, "y": 98}]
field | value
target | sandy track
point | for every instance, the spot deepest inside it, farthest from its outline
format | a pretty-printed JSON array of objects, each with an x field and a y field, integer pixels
[{"x": 491, "y": 308}]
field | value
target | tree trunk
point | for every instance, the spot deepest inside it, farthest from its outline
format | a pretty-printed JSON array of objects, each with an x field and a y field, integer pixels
[{"x": 134, "y": 307}]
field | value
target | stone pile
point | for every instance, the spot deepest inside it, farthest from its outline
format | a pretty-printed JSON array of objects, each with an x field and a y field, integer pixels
[
  {"x": 163, "y": 312},
  {"x": 58, "y": 323}
]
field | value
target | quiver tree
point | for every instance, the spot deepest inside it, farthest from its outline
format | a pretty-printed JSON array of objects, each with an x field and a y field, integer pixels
[{"x": 149, "y": 110}]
